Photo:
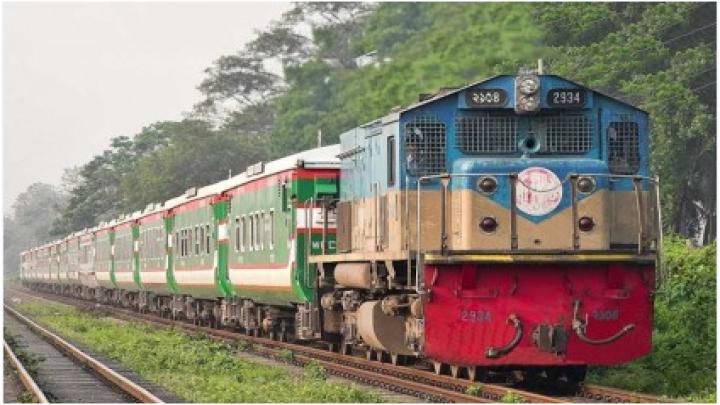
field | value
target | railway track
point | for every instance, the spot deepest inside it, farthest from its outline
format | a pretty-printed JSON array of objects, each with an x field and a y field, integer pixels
[
  {"x": 609, "y": 394},
  {"x": 67, "y": 374},
  {"x": 407, "y": 380},
  {"x": 25, "y": 378}
]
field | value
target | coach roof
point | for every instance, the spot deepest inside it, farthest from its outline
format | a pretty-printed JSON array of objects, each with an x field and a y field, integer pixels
[{"x": 318, "y": 158}]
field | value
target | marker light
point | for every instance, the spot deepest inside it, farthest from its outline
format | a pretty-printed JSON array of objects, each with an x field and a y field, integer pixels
[
  {"x": 488, "y": 224},
  {"x": 586, "y": 224}
]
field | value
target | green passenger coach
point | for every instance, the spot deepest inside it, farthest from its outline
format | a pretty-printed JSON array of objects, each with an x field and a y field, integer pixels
[{"x": 232, "y": 253}]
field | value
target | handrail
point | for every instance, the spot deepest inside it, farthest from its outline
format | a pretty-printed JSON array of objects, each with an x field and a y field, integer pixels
[
  {"x": 308, "y": 238},
  {"x": 640, "y": 213},
  {"x": 574, "y": 220},
  {"x": 495, "y": 352},
  {"x": 514, "y": 180},
  {"x": 659, "y": 230}
]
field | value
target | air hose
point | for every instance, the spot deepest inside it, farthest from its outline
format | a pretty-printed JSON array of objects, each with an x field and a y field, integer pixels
[{"x": 579, "y": 326}]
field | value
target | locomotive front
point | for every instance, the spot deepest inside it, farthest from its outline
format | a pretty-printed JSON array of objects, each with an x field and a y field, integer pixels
[{"x": 508, "y": 224}]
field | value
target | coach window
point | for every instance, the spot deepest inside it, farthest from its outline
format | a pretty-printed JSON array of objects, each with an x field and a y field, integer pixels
[
  {"x": 242, "y": 233},
  {"x": 192, "y": 239},
  {"x": 188, "y": 241},
  {"x": 203, "y": 240},
  {"x": 623, "y": 147},
  {"x": 258, "y": 231},
  {"x": 197, "y": 240},
  {"x": 251, "y": 220},
  {"x": 284, "y": 199},
  {"x": 207, "y": 239},
  {"x": 271, "y": 221},
  {"x": 261, "y": 230},
  {"x": 391, "y": 161},
  {"x": 237, "y": 234},
  {"x": 183, "y": 242}
]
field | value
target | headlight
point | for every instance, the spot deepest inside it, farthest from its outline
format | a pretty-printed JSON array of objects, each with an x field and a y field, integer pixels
[
  {"x": 487, "y": 184},
  {"x": 527, "y": 92},
  {"x": 586, "y": 184},
  {"x": 528, "y": 103},
  {"x": 529, "y": 85}
]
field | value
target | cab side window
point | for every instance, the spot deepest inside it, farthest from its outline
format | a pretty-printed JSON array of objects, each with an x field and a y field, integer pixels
[{"x": 623, "y": 147}]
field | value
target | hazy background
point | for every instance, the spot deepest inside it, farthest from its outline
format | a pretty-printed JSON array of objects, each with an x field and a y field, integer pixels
[{"x": 76, "y": 75}]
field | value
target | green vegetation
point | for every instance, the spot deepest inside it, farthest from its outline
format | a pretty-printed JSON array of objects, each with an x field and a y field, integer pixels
[
  {"x": 26, "y": 397},
  {"x": 511, "y": 398},
  {"x": 315, "y": 371},
  {"x": 195, "y": 368},
  {"x": 286, "y": 355},
  {"x": 682, "y": 362},
  {"x": 474, "y": 389}
]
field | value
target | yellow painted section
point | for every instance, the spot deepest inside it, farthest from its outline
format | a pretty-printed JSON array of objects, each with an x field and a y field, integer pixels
[{"x": 524, "y": 258}]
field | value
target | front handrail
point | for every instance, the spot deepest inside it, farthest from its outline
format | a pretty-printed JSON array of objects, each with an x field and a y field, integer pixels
[
  {"x": 495, "y": 352},
  {"x": 655, "y": 181}
]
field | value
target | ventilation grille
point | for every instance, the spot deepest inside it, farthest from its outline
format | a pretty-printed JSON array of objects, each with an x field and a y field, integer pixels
[
  {"x": 495, "y": 134},
  {"x": 425, "y": 146},
  {"x": 571, "y": 134},
  {"x": 623, "y": 147}
]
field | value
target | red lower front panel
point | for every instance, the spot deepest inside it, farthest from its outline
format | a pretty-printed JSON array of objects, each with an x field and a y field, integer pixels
[{"x": 470, "y": 306}]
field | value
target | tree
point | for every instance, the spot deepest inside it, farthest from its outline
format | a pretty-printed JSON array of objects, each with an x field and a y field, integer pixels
[
  {"x": 197, "y": 155},
  {"x": 29, "y": 222},
  {"x": 432, "y": 52},
  {"x": 235, "y": 82}
]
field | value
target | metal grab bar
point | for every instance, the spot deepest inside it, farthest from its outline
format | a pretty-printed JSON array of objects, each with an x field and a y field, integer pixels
[
  {"x": 495, "y": 352},
  {"x": 579, "y": 326},
  {"x": 514, "y": 179},
  {"x": 640, "y": 213},
  {"x": 659, "y": 231}
]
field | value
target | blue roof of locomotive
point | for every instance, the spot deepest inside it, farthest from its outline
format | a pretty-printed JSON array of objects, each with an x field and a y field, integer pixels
[{"x": 442, "y": 94}]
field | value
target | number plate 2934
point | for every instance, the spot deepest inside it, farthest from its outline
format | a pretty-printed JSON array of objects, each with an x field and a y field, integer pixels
[{"x": 566, "y": 98}]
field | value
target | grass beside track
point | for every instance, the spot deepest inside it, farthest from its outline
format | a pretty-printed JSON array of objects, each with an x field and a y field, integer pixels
[{"x": 194, "y": 367}]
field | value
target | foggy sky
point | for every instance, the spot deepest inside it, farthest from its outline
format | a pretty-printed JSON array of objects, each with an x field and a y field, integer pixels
[{"x": 76, "y": 75}]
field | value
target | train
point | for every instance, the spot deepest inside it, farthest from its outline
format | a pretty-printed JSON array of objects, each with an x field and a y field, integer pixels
[{"x": 509, "y": 227}]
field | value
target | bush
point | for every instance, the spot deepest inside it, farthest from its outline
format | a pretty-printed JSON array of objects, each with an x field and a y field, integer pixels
[
  {"x": 474, "y": 390},
  {"x": 682, "y": 363}
]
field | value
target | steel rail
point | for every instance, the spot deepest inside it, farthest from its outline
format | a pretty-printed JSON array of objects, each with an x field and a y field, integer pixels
[
  {"x": 336, "y": 362},
  {"x": 133, "y": 389},
  {"x": 609, "y": 394},
  {"x": 25, "y": 377}
]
